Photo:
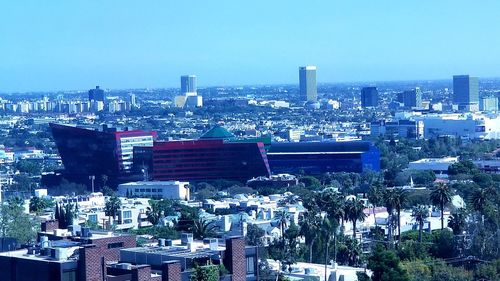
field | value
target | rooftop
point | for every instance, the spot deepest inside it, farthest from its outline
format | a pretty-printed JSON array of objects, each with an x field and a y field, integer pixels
[
  {"x": 217, "y": 132},
  {"x": 154, "y": 183}
]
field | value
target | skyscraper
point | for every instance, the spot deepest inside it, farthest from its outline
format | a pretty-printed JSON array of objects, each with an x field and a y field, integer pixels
[
  {"x": 307, "y": 81},
  {"x": 412, "y": 98},
  {"x": 132, "y": 100},
  {"x": 466, "y": 92},
  {"x": 96, "y": 94},
  {"x": 189, "y": 97},
  {"x": 188, "y": 84},
  {"x": 369, "y": 97}
]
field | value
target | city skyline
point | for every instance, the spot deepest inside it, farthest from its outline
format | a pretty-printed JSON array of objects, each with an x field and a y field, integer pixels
[{"x": 106, "y": 44}]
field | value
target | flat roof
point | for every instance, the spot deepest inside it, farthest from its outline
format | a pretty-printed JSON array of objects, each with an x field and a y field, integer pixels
[
  {"x": 23, "y": 254},
  {"x": 153, "y": 183},
  {"x": 437, "y": 160}
]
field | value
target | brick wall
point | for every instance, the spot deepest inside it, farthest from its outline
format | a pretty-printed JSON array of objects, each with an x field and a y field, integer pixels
[
  {"x": 91, "y": 263},
  {"x": 113, "y": 254},
  {"x": 141, "y": 273},
  {"x": 235, "y": 259},
  {"x": 49, "y": 225},
  {"x": 171, "y": 271}
]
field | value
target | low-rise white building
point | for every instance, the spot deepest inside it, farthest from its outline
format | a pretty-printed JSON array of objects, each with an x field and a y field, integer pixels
[
  {"x": 438, "y": 165},
  {"x": 155, "y": 189}
]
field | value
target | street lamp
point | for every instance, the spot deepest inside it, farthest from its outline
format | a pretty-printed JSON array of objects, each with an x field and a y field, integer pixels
[{"x": 92, "y": 178}]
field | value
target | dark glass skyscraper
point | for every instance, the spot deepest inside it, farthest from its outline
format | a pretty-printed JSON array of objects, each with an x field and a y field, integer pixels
[
  {"x": 96, "y": 94},
  {"x": 465, "y": 92},
  {"x": 369, "y": 97},
  {"x": 412, "y": 98},
  {"x": 188, "y": 84},
  {"x": 307, "y": 83}
]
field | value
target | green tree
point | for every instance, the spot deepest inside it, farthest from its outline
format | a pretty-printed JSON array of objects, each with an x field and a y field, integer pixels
[
  {"x": 154, "y": 212},
  {"x": 205, "y": 273},
  {"x": 310, "y": 182},
  {"x": 376, "y": 197},
  {"x": 354, "y": 212},
  {"x": 333, "y": 205},
  {"x": 255, "y": 235},
  {"x": 457, "y": 221},
  {"x": 390, "y": 202},
  {"x": 15, "y": 223},
  {"x": 309, "y": 228},
  {"x": 440, "y": 196},
  {"x": 111, "y": 207},
  {"x": 385, "y": 266},
  {"x": 420, "y": 214},
  {"x": 349, "y": 251},
  {"x": 37, "y": 204},
  {"x": 29, "y": 167},
  {"x": 203, "y": 229}
]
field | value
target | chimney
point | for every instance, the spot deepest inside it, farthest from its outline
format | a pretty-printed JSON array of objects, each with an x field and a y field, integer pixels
[
  {"x": 141, "y": 273},
  {"x": 91, "y": 263},
  {"x": 235, "y": 258},
  {"x": 49, "y": 225},
  {"x": 171, "y": 271}
]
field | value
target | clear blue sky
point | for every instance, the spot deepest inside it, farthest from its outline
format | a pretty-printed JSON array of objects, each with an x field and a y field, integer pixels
[{"x": 72, "y": 44}]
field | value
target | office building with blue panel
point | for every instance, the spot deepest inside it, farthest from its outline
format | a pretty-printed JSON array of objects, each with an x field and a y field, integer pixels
[{"x": 323, "y": 157}]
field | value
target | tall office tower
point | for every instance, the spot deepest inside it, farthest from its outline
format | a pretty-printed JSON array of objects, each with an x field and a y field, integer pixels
[
  {"x": 96, "y": 94},
  {"x": 466, "y": 92},
  {"x": 412, "y": 98},
  {"x": 132, "y": 100},
  {"x": 307, "y": 81},
  {"x": 369, "y": 97},
  {"x": 188, "y": 84}
]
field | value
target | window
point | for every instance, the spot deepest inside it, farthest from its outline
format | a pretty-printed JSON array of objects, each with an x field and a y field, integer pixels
[
  {"x": 93, "y": 217},
  {"x": 69, "y": 276},
  {"x": 127, "y": 214},
  {"x": 115, "y": 245},
  {"x": 250, "y": 266}
]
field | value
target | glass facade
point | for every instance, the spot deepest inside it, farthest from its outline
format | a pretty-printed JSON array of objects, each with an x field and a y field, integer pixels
[
  {"x": 86, "y": 152},
  {"x": 209, "y": 160},
  {"x": 322, "y": 157}
]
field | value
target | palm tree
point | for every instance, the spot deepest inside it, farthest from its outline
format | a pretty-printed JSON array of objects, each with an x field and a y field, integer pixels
[
  {"x": 282, "y": 218},
  {"x": 441, "y": 196},
  {"x": 400, "y": 198},
  {"x": 352, "y": 251},
  {"x": 326, "y": 233},
  {"x": 333, "y": 205},
  {"x": 376, "y": 197},
  {"x": 36, "y": 205},
  {"x": 113, "y": 204},
  {"x": 457, "y": 221},
  {"x": 202, "y": 228},
  {"x": 354, "y": 213},
  {"x": 419, "y": 214},
  {"x": 154, "y": 212},
  {"x": 479, "y": 199},
  {"x": 309, "y": 228},
  {"x": 390, "y": 203}
]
